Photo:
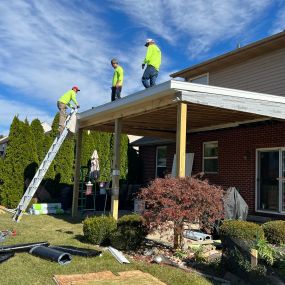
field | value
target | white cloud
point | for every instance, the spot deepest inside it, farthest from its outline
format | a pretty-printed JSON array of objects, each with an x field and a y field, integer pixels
[
  {"x": 279, "y": 21},
  {"x": 198, "y": 23},
  {"x": 49, "y": 46},
  {"x": 46, "y": 48},
  {"x": 10, "y": 108}
]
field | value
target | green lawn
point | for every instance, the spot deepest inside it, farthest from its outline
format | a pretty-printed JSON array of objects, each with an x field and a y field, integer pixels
[{"x": 24, "y": 268}]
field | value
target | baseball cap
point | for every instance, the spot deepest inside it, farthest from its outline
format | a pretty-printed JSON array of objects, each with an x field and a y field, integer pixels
[
  {"x": 149, "y": 41},
  {"x": 114, "y": 60},
  {"x": 76, "y": 88}
]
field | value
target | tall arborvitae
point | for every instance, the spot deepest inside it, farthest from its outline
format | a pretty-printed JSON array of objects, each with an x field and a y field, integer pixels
[
  {"x": 1, "y": 175},
  {"x": 88, "y": 147},
  {"x": 64, "y": 161},
  {"x": 48, "y": 140},
  {"x": 102, "y": 142},
  {"x": 29, "y": 152},
  {"x": 39, "y": 137},
  {"x": 124, "y": 156},
  {"x": 61, "y": 170},
  {"x": 19, "y": 159},
  {"x": 12, "y": 186}
]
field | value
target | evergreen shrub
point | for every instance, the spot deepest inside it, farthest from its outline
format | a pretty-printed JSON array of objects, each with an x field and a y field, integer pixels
[
  {"x": 130, "y": 233},
  {"x": 274, "y": 231},
  {"x": 97, "y": 230},
  {"x": 241, "y": 230}
]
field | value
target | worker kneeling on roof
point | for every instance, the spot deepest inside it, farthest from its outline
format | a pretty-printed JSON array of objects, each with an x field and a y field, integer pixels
[
  {"x": 63, "y": 102},
  {"x": 153, "y": 61}
]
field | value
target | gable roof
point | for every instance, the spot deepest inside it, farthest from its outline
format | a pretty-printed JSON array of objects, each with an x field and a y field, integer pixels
[
  {"x": 255, "y": 49},
  {"x": 4, "y": 140}
]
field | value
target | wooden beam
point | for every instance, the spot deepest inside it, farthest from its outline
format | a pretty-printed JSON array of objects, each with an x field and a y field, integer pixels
[
  {"x": 139, "y": 132},
  {"x": 116, "y": 169},
  {"x": 125, "y": 112},
  {"x": 181, "y": 139},
  {"x": 77, "y": 173}
]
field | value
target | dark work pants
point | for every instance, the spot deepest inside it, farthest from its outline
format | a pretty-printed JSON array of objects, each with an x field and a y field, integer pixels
[
  {"x": 116, "y": 93},
  {"x": 150, "y": 74}
]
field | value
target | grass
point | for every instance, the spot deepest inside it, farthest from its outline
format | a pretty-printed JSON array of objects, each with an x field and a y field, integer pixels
[{"x": 24, "y": 268}]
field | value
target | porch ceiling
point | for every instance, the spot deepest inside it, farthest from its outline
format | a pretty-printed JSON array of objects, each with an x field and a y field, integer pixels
[{"x": 153, "y": 112}]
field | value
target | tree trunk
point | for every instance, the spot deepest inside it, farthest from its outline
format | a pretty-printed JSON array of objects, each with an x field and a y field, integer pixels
[{"x": 178, "y": 230}]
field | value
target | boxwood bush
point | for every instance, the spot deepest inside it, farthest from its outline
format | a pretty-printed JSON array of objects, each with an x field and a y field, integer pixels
[
  {"x": 131, "y": 231},
  {"x": 238, "y": 238},
  {"x": 241, "y": 230},
  {"x": 274, "y": 231},
  {"x": 97, "y": 230}
]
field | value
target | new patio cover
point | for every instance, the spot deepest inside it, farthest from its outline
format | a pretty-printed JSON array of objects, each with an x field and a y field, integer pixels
[{"x": 171, "y": 110}]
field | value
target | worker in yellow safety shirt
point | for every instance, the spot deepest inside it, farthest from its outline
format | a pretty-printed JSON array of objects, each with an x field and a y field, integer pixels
[
  {"x": 153, "y": 61},
  {"x": 118, "y": 78},
  {"x": 63, "y": 102}
]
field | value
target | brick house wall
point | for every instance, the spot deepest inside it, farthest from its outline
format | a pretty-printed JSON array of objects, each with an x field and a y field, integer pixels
[{"x": 237, "y": 155}]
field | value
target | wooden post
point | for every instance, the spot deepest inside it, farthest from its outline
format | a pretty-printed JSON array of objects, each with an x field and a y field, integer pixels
[
  {"x": 77, "y": 173},
  {"x": 254, "y": 257},
  {"x": 181, "y": 139},
  {"x": 180, "y": 157},
  {"x": 116, "y": 169}
]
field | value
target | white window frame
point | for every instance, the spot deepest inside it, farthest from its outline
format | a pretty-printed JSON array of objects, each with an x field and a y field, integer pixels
[
  {"x": 199, "y": 76},
  {"x": 212, "y": 157},
  {"x": 280, "y": 149},
  {"x": 156, "y": 157}
]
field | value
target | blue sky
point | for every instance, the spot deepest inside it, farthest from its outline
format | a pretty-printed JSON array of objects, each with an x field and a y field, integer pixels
[{"x": 47, "y": 46}]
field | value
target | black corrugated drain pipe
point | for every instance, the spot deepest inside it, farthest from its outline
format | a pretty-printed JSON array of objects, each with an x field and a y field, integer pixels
[{"x": 60, "y": 257}]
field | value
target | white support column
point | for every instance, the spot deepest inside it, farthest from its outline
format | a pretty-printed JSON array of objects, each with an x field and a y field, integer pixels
[
  {"x": 116, "y": 169},
  {"x": 77, "y": 173},
  {"x": 181, "y": 139}
]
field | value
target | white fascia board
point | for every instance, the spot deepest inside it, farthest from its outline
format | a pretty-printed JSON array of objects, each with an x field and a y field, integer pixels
[
  {"x": 253, "y": 106},
  {"x": 215, "y": 90},
  {"x": 130, "y": 100}
]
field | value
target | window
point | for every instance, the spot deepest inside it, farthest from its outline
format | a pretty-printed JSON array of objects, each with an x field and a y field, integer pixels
[
  {"x": 201, "y": 79},
  {"x": 210, "y": 157},
  {"x": 161, "y": 161}
]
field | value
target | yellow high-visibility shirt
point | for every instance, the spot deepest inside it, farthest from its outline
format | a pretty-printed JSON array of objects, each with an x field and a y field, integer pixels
[
  {"x": 67, "y": 97},
  {"x": 153, "y": 56},
  {"x": 118, "y": 76}
]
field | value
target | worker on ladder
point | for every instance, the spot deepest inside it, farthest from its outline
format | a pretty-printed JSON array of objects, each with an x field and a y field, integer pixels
[{"x": 63, "y": 102}]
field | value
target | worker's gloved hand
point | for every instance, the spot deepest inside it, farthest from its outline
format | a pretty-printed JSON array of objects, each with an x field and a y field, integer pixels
[{"x": 143, "y": 65}]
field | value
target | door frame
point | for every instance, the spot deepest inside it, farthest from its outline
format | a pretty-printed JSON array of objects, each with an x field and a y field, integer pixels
[{"x": 280, "y": 149}]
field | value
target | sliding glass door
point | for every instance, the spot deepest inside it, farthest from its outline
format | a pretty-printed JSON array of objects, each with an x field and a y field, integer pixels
[{"x": 270, "y": 180}]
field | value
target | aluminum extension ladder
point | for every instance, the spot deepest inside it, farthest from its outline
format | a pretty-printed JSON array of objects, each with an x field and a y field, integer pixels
[{"x": 31, "y": 190}]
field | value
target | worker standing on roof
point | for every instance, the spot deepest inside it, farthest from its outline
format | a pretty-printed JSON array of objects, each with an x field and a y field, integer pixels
[
  {"x": 153, "y": 61},
  {"x": 63, "y": 102},
  {"x": 118, "y": 78}
]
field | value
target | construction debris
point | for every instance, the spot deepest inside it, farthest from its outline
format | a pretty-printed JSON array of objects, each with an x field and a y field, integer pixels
[
  {"x": 85, "y": 252},
  {"x": 60, "y": 257},
  {"x": 5, "y": 234},
  {"x": 118, "y": 255},
  {"x": 107, "y": 277},
  {"x": 5, "y": 256},
  {"x": 21, "y": 247},
  {"x": 198, "y": 236},
  {"x": 46, "y": 208}
]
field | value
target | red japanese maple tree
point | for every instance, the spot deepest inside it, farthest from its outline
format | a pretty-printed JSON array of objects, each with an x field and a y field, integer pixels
[{"x": 180, "y": 200}]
